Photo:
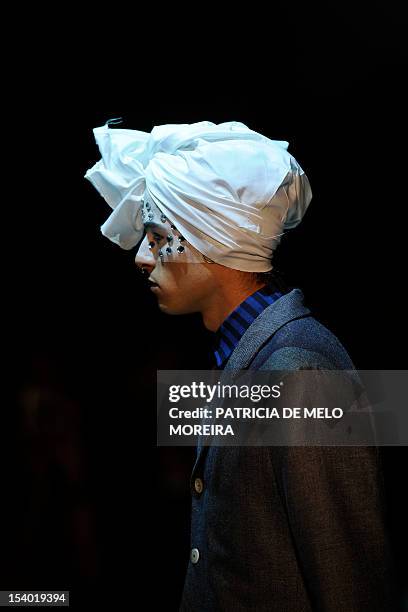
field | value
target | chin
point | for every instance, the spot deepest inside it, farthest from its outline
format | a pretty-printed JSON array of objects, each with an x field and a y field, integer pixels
[{"x": 175, "y": 309}]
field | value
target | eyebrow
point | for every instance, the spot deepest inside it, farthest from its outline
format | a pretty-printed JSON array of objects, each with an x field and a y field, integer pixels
[{"x": 151, "y": 224}]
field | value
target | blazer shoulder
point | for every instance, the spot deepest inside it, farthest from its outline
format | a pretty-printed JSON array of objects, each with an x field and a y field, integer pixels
[{"x": 303, "y": 342}]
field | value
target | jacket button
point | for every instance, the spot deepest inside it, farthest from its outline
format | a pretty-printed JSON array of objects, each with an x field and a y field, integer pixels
[
  {"x": 198, "y": 485},
  {"x": 194, "y": 555}
]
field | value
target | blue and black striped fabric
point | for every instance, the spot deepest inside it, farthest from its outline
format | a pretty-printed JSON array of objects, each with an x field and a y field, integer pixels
[{"x": 229, "y": 333}]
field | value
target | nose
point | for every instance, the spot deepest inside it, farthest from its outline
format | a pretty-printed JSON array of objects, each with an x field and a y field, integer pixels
[{"x": 144, "y": 257}]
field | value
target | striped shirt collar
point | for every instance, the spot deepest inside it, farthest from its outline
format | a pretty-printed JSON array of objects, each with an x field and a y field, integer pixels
[{"x": 231, "y": 330}]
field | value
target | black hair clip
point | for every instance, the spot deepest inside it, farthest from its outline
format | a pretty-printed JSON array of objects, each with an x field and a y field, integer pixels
[{"x": 115, "y": 121}]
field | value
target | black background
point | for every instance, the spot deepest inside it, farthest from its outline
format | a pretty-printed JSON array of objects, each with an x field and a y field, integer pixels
[{"x": 90, "y": 503}]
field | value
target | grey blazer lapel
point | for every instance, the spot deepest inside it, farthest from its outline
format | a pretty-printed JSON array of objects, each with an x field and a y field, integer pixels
[{"x": 287, "y": 308}]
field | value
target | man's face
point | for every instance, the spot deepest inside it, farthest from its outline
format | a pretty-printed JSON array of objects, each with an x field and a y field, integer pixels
[{"x": 184, "y": 281}]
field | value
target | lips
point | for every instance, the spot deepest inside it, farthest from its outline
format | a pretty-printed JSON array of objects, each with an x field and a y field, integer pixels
[{"x": 152, "y": 284}]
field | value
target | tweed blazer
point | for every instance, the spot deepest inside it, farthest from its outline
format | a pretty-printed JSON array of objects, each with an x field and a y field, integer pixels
[{"x": 288, "y": 529}]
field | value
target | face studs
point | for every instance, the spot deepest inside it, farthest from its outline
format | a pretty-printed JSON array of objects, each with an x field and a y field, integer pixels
[{"x": 170, "y": 238}]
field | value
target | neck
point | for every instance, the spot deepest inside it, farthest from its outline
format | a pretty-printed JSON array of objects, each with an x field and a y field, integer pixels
[{"x": 224, "y": 302}]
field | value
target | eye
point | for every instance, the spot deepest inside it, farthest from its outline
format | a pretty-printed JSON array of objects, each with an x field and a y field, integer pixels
[{"x": 157, "y": 237}]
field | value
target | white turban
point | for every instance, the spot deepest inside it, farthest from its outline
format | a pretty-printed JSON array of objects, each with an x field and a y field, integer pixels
[{"x": 231, "y": 191}]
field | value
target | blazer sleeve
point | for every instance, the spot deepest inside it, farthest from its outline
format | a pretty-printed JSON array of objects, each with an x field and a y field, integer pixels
[{"x": 334, "y": 501}]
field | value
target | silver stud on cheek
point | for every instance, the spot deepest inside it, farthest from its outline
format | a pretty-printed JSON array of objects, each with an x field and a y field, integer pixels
[
  {"x": 169, "y": 238},
  {"x": 168, "y": 249},
  {"x": 180, "y": 249},
  {"x": 163, "y": 218},
  {"x": 181, "y": 239},
  {"x": 151, "y": 244},
  {"x": 161, "y": 254}
]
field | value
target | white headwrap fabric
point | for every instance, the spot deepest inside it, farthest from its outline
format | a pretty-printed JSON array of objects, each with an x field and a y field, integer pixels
[{"x": 231, "y": 191}]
